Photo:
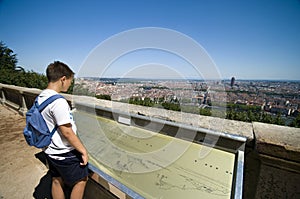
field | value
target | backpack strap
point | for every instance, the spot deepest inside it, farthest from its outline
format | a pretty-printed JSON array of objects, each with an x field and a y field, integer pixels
[
  {"x": 45, "y": 103},
  {"x": 48, "y": 101},
  {"x": 54, "y": 129}
]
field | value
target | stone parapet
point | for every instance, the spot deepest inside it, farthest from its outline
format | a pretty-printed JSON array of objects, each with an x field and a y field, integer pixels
[
  {"x": 277, "y": 141},
  {"x": 213, "y": 123}
]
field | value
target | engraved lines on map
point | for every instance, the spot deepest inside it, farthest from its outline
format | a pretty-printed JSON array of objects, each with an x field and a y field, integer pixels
[
  {"x": 192, "y": 180},
  {"x": 111, "y": 145}
]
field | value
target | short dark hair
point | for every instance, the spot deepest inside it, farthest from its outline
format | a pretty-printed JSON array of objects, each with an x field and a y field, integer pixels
[{"x": 58, "y": 69}]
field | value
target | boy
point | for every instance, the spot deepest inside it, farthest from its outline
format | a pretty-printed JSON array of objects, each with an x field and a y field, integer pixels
[{"x": 66, "y": 155}]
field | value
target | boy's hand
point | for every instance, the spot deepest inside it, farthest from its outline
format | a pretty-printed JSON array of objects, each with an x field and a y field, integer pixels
[
  {"x": 68, "y": 133},
  {"x": 85, "y": 159}
]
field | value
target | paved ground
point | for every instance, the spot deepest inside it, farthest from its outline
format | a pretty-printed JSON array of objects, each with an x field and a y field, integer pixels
[{"x": 22, "y": 174}]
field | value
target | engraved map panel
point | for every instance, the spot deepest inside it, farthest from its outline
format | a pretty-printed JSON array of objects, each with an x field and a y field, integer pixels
[{"x": 155, "y": 165}]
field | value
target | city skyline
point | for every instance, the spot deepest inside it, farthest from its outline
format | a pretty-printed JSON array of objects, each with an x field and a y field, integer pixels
[{"x": 255, "y": 40}]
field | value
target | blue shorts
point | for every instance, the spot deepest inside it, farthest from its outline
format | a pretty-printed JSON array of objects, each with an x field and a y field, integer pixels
[{"x": 68, "y": 169}]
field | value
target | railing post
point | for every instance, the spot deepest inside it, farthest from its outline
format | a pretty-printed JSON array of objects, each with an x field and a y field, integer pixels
[
  {"x": 3, "y": 99},
  {"x": 23, "y": 109}
]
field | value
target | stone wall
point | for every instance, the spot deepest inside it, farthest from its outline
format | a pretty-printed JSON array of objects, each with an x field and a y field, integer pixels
[{"x": 272, "y": 153}]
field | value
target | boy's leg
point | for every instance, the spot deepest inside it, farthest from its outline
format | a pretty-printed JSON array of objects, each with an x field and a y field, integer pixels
[
  {"x": 57, "y": 188},
  {"x": 78, "y": 189}
]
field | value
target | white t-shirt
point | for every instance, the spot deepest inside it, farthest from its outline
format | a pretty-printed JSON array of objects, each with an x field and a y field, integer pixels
[{"x": 58, "y": 112}]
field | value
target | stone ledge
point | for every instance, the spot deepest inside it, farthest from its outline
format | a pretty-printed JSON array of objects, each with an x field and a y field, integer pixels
[
  {"x": 238, "y": 128},
  {"x": 278, "y": 141}
]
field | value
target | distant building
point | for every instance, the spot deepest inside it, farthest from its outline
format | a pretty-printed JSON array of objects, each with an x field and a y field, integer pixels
[{"x": 232, "y": 82}]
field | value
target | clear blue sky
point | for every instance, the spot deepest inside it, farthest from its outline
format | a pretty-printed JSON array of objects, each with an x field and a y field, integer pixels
[{"x": 246, "y": 39}]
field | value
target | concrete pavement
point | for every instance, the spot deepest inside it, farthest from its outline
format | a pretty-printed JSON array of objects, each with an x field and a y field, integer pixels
[{"x": 22, "y": 174}]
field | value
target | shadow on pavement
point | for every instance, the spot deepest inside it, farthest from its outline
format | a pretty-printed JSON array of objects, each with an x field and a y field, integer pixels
[{"x": 43, "y": 189}]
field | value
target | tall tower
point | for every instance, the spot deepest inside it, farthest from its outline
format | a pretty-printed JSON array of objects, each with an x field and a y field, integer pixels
[{"x": 232, "y": 82}]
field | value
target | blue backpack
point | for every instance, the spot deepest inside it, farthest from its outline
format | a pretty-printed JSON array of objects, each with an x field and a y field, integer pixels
[{"x": 36, "y": 132}]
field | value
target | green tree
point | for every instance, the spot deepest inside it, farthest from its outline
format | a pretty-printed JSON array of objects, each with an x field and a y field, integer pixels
[
  {"x": 205, "y": 112},
  {"x": 8, "y": 63},
  {"x": 103, "y": 96},
  {"x": 296, "y": 122},
  {"x": 148, "y": 102},
  {"x": 278, "y": 120},
  {"x": 8, "y": 59},
  {"x": 10, "y": 73},
  {"x": 171, "y": 106},
  {"x": 266, "y": 118}
]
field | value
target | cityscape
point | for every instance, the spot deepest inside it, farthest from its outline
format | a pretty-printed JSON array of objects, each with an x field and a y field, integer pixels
[{"x": 266, "y": 101}]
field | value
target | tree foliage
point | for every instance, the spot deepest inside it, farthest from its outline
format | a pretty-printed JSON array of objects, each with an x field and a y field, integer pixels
[
  {"x": 8, "y": 59},
  {"x": 296, "y": 122},
  {"x": 12, "y": 74},
  {"x": 103, "y": 96},
  {"x": 171, "y": 106},
  {"x": 143, "y": 102}
]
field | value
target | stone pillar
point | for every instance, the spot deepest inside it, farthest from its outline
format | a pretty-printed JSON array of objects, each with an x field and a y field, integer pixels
[
  {"x": 3, "y": 99},
  {"x": 23, "y": 109},
  {"x": 278, "y": 178},
  {"x": 279, "y": 156}
]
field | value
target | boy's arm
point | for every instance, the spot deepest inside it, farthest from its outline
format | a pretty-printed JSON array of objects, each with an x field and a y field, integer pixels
[{"x": 68, "y": 133}]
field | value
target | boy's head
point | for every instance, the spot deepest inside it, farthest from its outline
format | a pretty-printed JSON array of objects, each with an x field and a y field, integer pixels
[{"x": 57, "y": 70}]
